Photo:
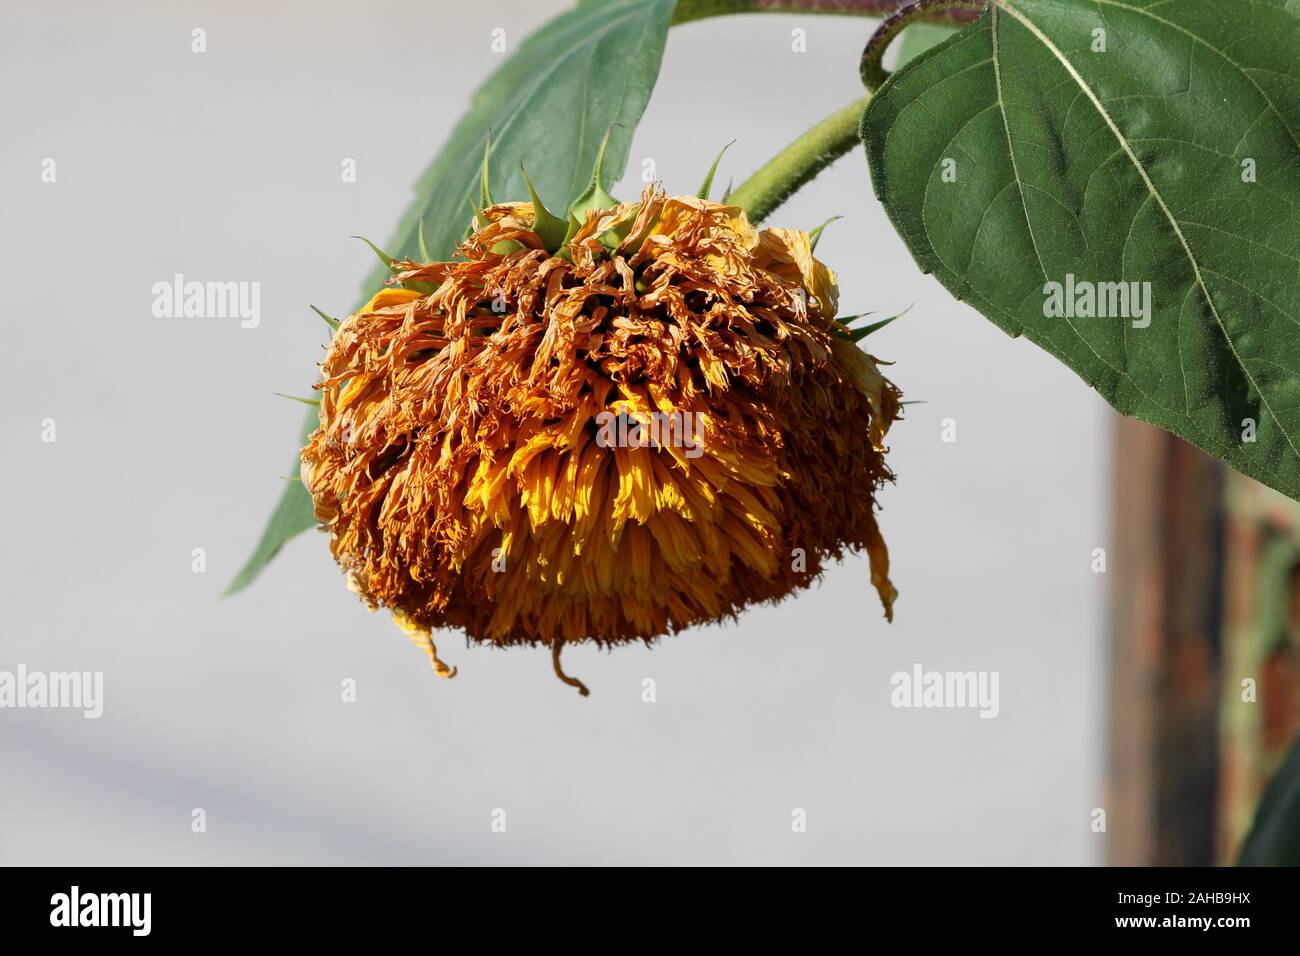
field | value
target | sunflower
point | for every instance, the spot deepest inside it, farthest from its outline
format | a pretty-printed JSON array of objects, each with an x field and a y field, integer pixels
[{"x": 648, "y": 424}]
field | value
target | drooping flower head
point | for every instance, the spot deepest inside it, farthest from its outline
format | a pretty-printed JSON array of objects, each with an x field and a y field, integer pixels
[{"x": 610, "y": 434}]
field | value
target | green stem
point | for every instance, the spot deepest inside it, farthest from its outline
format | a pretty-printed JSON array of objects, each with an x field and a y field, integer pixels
[
  {"x": 688, "y": 10},
  {"x": 873, "y": 74},
  {"x": 802, "y": 160},
  {"x": 796, "y": 165}
]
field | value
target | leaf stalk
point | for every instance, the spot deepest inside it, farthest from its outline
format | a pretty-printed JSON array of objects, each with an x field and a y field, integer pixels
[
  {"x": 689, "y": 10},
  {"x": 873, "y": 73}
]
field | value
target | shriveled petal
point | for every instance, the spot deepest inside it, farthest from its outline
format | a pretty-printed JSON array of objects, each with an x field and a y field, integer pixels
[{"x": 464, "y": 466}]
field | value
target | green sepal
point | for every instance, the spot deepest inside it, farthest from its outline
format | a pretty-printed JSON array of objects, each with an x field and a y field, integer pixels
[
  {"x": 484, "y": 192},
  {"x": 572, "y": 225},
  {"x": 424, "y": 246},
  {"x": 384, "y": 257},
  {"x": 595, "y": 195},
  {"x": 613, "y": 237},
  {"x": 333, "y": 323},
  {"x": 473, "y": 216},
  {"x": 815, "y": 236},
  {"x": 550, "y": 228},
  {"x": 707, "y": 186},
  {"x": 294, "y": 398},
  {"x": 424, "y": 288},
  {"x": 857, "y": 335}
]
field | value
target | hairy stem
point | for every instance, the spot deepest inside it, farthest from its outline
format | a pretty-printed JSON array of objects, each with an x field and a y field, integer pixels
[
  {"x": 796, "y": 165},
  {"x": 801, "y": 161},
  {"x": 873, "y": 74},
  {"x": 688, "y": 10}
]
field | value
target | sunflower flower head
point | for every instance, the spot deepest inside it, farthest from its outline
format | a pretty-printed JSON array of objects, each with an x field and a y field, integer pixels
[{"x": 605, "y": 429}]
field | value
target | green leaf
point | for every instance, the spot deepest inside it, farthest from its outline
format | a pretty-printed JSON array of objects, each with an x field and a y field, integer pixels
[
  {"x": 292, "y": 516},
  {"x": 1274, "y": 840},
  {"x": 919, "y": 37},
  {"x": 1018, "y": 153},
  {"x": 550, "y": 103}
]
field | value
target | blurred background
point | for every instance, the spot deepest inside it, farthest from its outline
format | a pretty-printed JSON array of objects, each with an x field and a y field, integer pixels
[{"x": 225, "y": 166}]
